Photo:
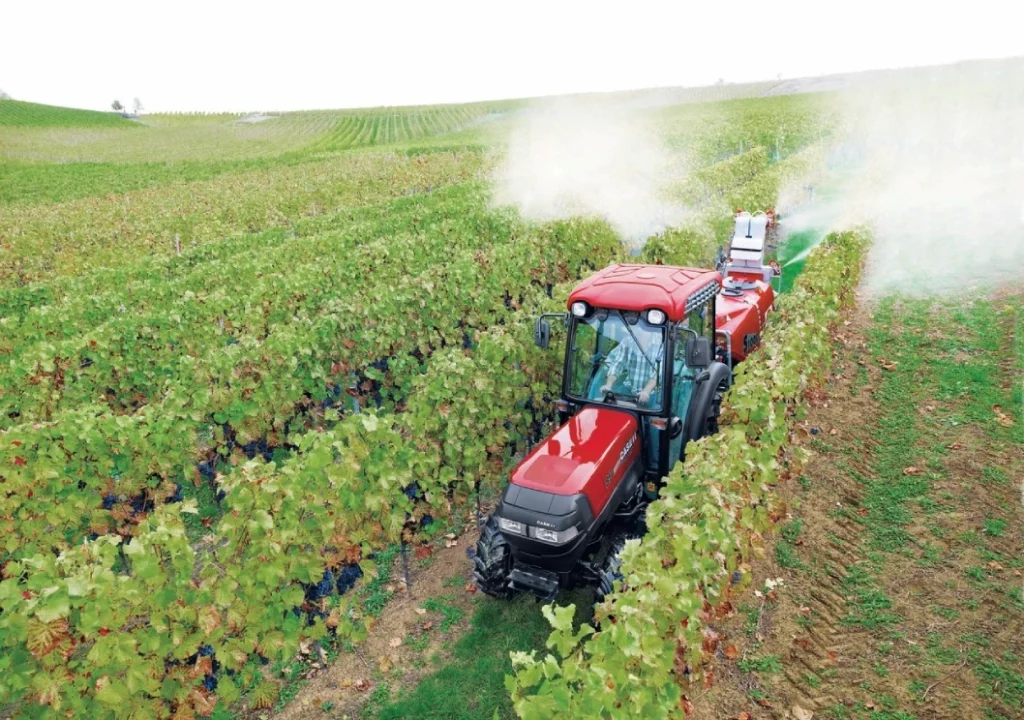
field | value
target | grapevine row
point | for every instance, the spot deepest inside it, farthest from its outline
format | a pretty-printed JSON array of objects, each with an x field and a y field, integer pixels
[
  {"x": 79, "y": 236},
  {"x": 131, "y": 357},
  {"x": 260, "y": 391}
]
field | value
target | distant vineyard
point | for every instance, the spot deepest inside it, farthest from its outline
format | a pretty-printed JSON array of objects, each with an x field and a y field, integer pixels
[
  {"x": 43, "y": 241},
  {"x": 14, "y": 113},
  {"x": 396, "y": 126}
]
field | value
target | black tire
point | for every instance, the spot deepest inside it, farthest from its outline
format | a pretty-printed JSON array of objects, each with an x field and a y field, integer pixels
[
  {"x": 706, "y": 404},
  {"x": 715, "y": 409},
  {"x": 492, "y": 562},
  {"x": 611, "y": 570}
]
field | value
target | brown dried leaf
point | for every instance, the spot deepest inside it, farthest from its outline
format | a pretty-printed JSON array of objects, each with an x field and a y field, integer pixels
[
  {"x": 395, "y": 642},
  {"x": 423, "y": 551},
  {"x": 710, "y": 641},
  {"x": 1004, "y": 419},
  {"x": 730, "y": 651},
  {"x": 203, "y": 702},
  {"x": 209, "y": 619}
]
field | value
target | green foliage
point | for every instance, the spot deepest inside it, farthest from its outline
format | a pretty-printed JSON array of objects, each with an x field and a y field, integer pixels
[
  {"x": 83, "y": 236},
  {"x": 336, "y": 499},
  {"x": 766, "y": 664},
  {"x": 451, "y": 615},
  {"x": 311, "y": 342},
  {"x": 994, "y": 527},
  {"x": 1002, "y": 682}
]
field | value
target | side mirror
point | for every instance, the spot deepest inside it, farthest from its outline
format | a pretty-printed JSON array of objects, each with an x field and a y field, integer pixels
[
  {"x": 698, "y": 352},
  {"x": 675, "y": 429},
  {"x": 542, "y": 333}
]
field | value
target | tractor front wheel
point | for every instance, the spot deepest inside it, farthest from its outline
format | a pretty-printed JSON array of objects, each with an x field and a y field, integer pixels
[{"x": 492, "y": 562}]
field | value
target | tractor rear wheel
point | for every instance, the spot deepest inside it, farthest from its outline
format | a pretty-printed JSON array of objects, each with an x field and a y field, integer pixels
[
  {"x": 611, "y": 570},
  {"x": 715, "y": 409},
  {"x": 492, "y": 562}
]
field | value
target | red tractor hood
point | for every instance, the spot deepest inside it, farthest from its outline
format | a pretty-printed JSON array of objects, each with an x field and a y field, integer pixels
[{"x": 589, "y": 454}]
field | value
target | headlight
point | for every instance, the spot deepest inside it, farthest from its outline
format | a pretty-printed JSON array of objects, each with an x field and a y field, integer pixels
[
  {"x": 579, "y": 308},
  {"x": 511, "y": 526},
  {"x": 655, "y": 317},
  {"x": 553, "y": 536}
]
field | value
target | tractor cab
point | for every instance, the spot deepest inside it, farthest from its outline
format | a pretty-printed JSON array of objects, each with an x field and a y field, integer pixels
[
  {"x": 639, "y": 337},
  {"x": 639, "y": 381}
]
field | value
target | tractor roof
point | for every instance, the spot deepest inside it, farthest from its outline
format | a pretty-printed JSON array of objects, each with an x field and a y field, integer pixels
[{"x": 640, "y": 287}]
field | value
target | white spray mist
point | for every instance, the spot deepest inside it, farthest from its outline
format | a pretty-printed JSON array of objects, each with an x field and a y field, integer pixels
[
  {"x": 938, "y": 173},
  {"x": 589, "y": 156}
]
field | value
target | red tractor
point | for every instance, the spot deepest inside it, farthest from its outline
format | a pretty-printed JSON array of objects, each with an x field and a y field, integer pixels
[{"x": 649, "y": 354}]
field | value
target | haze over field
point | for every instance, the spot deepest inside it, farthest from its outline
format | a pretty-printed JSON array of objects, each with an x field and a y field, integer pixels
[{"x": 572, "y": 156}]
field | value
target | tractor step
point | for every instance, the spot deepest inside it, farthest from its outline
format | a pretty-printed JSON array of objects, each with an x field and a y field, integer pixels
[{"x": 542, "y": 583}]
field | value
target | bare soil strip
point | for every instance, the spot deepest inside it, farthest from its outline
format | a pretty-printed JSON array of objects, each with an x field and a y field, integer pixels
[{"x": 402, "y": 641}]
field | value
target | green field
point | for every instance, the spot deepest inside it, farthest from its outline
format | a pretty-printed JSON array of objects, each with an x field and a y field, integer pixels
[{"x": 245, "y": 357}]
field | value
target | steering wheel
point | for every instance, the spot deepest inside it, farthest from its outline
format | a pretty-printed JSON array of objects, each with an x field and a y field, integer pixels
[{"x": 635, "y": 399}]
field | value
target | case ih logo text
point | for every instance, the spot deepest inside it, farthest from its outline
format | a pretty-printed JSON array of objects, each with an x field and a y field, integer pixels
[
  {"x": 622, "y": 456},
  {"x": 625, "y": 450}
]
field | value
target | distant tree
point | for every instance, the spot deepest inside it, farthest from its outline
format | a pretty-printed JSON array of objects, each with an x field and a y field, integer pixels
[
  {"x": 117, "y": 106},
  {"x": 4, "y": 95},
  {"x": 137, "y": 106}
]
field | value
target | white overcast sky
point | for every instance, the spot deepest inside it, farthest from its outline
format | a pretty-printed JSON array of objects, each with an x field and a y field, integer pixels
[{"x": 301, "y": 54}]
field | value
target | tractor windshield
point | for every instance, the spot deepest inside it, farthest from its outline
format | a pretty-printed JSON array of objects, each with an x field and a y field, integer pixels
[{"x": 617, "y": 358}]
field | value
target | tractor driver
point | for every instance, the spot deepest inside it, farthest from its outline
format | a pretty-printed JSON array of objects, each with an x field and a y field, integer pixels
[{"x": 635, "y": 369}]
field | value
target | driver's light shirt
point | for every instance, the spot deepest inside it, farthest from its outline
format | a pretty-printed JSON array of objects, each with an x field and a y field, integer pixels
[{"x": 627, "y": 364}]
